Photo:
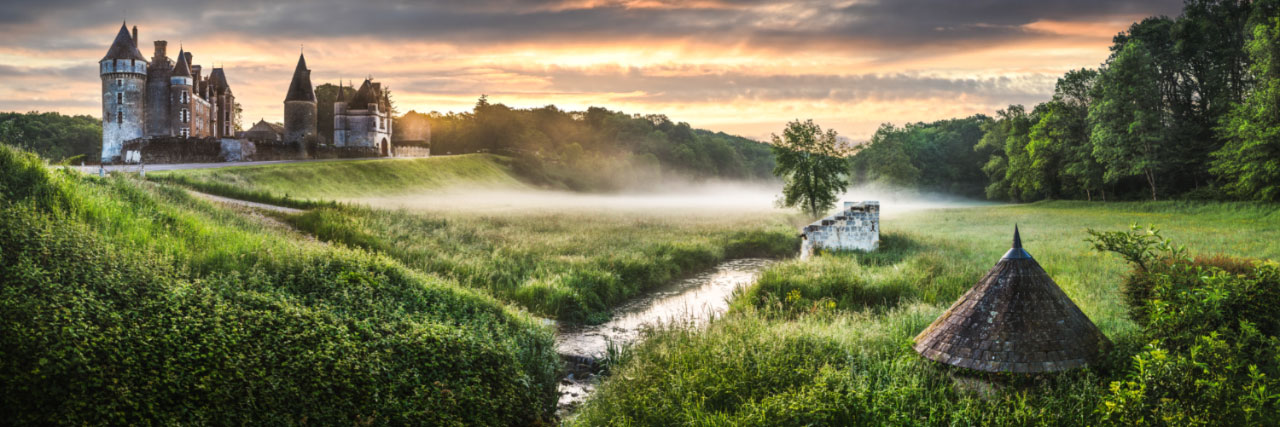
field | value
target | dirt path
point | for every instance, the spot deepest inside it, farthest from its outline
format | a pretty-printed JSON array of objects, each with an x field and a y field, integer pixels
[{"x": 245, "y": 203}]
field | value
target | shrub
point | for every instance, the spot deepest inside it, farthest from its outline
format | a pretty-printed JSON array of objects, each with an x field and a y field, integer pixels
[{"x": 1214, "y": 355}]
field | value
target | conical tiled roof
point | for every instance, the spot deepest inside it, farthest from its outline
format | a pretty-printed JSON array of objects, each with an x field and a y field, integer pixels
[
  {"x": 1016, "y": 319},
  {"x": 300, "y": 88},
  {"x": 124, "y": 47},
  {"x": 182, "y": 68}
]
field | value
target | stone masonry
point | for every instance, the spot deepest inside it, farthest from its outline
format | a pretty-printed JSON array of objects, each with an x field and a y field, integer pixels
[{"x": 855, "y": 227}]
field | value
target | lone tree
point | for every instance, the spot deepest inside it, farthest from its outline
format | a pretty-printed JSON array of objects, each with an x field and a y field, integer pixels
[{"x": 811, "y": 167}]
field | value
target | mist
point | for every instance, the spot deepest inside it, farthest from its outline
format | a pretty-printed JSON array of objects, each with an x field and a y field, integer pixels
[{"x": 707, "y": 198}]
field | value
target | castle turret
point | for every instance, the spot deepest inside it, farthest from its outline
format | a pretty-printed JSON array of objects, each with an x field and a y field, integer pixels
[
  {"x": 181, "y": 94},
  {"x": 124, "y": 82},
  {"x": 300, "y": 105},
  {"x": 158, "y": 91}
]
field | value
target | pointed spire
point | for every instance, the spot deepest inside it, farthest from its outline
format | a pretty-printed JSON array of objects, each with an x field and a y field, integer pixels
[
  {"x": 182, "y": 68},
  {"x": 342, "y": 95},
  {"x": 1016, "y": 252},
  {"x": 300, "y": 88}
]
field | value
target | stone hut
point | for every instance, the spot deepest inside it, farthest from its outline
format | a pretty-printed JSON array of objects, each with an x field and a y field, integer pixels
[{"x": 1016, "y": 319}]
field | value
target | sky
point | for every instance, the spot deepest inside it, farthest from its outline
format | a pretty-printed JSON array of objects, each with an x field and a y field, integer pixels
[{"x": 741, "y": 66}]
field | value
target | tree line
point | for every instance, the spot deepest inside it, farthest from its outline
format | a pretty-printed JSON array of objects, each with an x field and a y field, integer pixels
[
  {"x": 1183, "y": 107},
  {"x": 53, "y": 136},
  {"x": 596, "y": 149}
]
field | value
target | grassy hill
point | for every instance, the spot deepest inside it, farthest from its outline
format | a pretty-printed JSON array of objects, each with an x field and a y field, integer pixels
[
  {"x": 296, "y": 184},
  {"x": 125, "y": 302}
]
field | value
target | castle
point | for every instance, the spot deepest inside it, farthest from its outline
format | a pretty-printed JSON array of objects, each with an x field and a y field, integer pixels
[
  {"x": 363, "y": 121},
  {"x": 161, "y": 102},
  {"x": 159, "y": 97}
]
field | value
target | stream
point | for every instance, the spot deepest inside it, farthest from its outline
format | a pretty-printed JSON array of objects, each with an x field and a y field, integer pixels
[{"x": 693, "y": 300}]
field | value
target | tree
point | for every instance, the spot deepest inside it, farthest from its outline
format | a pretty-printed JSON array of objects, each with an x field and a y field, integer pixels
[
  {"x": 1128, "y": 122},
  {"x": 884, "y": 160},
  {"x": 1249, "y": 163},
  {"x": 810, "y": 166}
]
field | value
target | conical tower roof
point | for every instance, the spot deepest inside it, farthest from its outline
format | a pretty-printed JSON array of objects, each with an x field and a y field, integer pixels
[
  {"x": 1016, "y": 319},
  {"x": 300, "y": 88},
  {"x": 182, "y": 68},
  {"x": 124, "y": 47}
]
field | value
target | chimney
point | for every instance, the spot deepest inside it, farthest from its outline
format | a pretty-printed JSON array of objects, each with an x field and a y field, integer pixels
[
  {"x": 135, "y": 35},
  {"x": 160, "y": 51},
  {"x": 188, "y": 55}
]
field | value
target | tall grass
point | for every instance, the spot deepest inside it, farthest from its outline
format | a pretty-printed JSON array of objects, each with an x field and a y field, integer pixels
[
  {"x": 827, "y": 341},
  {"x": 571, "y": 266},
  {"x": 123, "y": 301}
]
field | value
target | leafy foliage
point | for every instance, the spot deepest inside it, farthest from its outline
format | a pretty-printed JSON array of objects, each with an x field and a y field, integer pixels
[
  {"x": 811, "y": 167},
  {"x": 1212, "y": 330},
  {"x": 597, "y": 149},
  {"x": 1250, "y": 160},
  {"x": 52, "y": 135}
]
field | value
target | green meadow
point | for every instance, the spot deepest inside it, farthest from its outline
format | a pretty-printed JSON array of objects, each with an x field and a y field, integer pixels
[
  {"x": 828, "y": 341},
  {"x": 824, "y": 341}
]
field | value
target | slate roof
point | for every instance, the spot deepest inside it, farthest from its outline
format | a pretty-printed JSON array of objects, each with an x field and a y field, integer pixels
[
  {"x": 300, "y": 88},
  {"x": 124, "y": 47},
  {"x": 1016, "y": 319},
  {"x": 369, "y": 93},
  {"x": 218, "y": 81},
  {"x": 182, "y": 68}
]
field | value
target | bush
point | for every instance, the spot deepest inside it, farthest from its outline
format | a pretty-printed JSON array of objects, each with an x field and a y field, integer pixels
[{"x": 1213, "y": 356}]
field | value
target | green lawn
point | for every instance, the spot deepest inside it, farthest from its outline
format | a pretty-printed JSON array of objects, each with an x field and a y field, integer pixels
[{"x": 827, "y": 341}]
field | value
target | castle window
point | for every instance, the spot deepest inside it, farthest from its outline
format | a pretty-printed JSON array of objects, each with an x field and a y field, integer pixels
[
  {"x": 183, "y": 97},
  {"x": 184, "y": 132},
  {"x": 119, "y": 82},
  {"x": 185, "y": 115},
  {"x": 119, "y": 97},
  {"x": 119, "y": 117}
]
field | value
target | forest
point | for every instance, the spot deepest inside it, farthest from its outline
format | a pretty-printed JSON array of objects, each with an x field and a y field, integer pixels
[
  {"x": 596, "y": 149},
  {"x": 53, "y": 136},
  {"x": 1182, "y": 108}
]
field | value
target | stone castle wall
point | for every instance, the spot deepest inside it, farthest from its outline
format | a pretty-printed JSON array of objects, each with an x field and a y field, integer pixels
[
  {"x": 855, "y": 227},
  {"x": 299, "y": 120},
  {"x": 122, "y": 111}
]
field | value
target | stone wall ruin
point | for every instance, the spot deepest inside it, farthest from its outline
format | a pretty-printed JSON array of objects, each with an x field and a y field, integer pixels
[{"x": 855, "y": 227}]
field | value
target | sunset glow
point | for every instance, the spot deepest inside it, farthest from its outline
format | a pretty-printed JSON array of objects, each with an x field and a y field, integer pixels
[{"x": 743, "y": 67}]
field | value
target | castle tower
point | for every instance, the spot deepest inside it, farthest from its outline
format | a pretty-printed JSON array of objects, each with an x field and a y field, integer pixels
[
  {"x": 181, "y": 96},
  {"x": 124, "y": 86},
  {"x": 300, "y": 105},
  {"x": 339, "y": 116},
  {"x": 224, "y": 104},
  {"x": 158, "y": 91}
]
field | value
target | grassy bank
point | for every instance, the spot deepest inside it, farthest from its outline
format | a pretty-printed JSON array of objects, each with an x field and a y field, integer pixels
[
  {"x": 827, "y": 341},
  {"x": 128, "y": 302},
  {"x": 568, "y": 265},
  {"x": 567, "y": 262},
  {"x": 310, "y": 184}
]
